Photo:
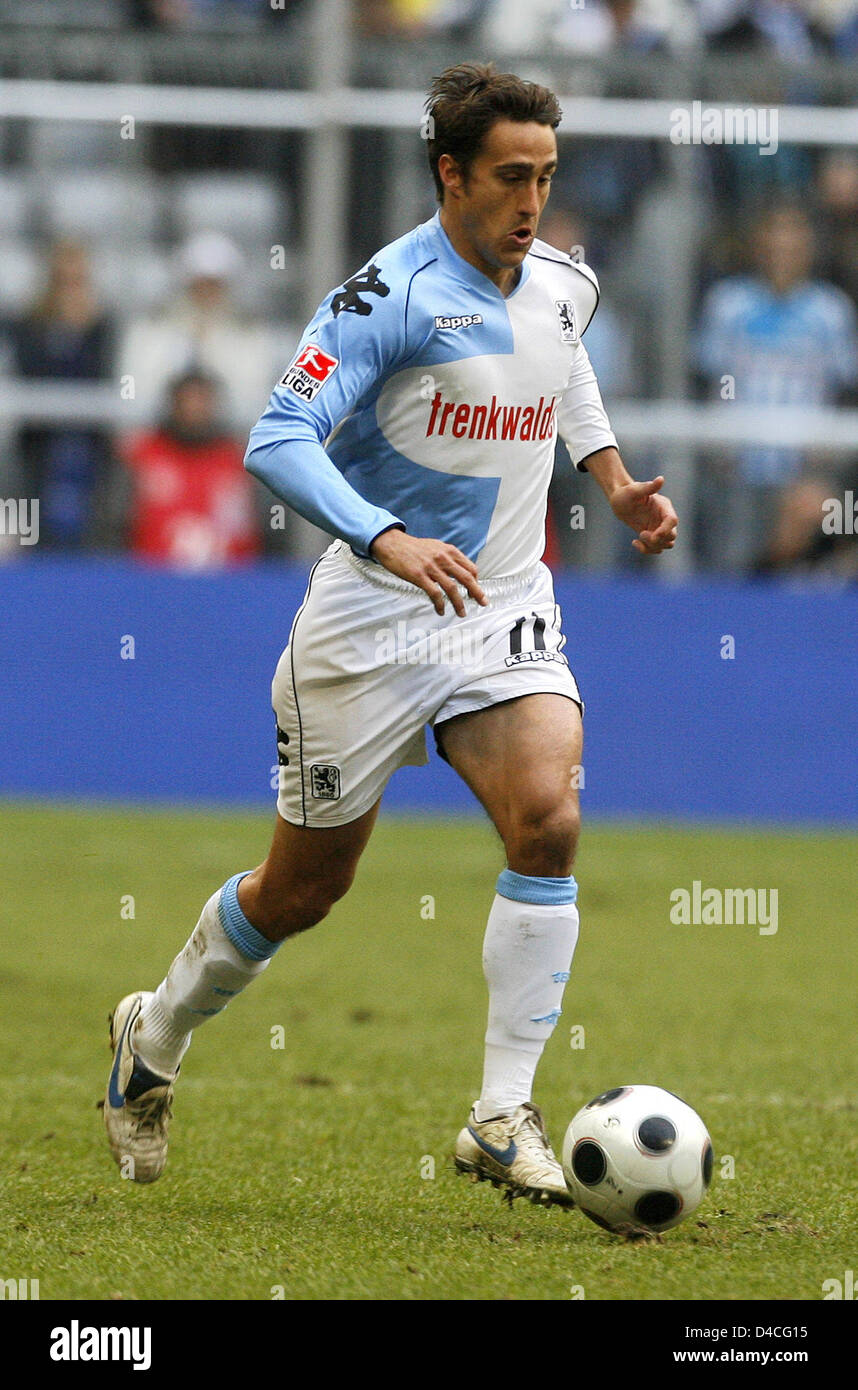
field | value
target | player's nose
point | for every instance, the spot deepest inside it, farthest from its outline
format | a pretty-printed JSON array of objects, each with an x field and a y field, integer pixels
[{"x": 529, "y": 203}]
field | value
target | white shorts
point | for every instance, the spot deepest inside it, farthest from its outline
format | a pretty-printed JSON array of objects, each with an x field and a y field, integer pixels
[{"x": 370, "y": 663}]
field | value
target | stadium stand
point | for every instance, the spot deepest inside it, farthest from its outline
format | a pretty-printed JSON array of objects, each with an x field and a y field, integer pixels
[{"x": 662, "y": 226}]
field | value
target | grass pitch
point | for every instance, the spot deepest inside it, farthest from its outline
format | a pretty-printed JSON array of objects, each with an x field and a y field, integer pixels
[{"x": 321, "y": 1169}]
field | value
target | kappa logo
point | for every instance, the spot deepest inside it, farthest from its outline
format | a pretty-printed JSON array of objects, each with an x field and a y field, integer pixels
[
  {"x": 457, "y": 320},
  {"x": 519, "y": 653},
  {"x": 566, "y": 314},
  {"x": 325, "y": 781},
  {"x": 348, "y": 299},
  {"x": 537, "y": 655},
  {"x": 310, "y": 370}
]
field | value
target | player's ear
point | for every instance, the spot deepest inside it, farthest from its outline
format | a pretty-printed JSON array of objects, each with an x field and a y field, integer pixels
[{"x": 450, "y": 174}]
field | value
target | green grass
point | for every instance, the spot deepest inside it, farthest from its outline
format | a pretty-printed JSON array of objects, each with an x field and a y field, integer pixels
[{"x": 301, "y": 1167}]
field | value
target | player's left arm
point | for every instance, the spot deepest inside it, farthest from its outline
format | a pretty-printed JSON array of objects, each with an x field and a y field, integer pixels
[
  {"x": 640, "y": 505},
  {"x": 592, "y": 445}
]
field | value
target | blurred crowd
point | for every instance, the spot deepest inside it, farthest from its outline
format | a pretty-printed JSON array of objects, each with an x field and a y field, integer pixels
[
  {"x": 174, "y": 491},
  {"x": 777, "y": 327},
  {"x": 790, "y": 28},
  {"x": 182, "y": 322}
]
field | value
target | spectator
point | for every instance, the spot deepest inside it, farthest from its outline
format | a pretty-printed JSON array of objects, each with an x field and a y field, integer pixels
[
  {"x": 844, "y": 37},
  {"x": 192, "y": 503},
  {"x": 414, "y": 18},
  {"x": 203, "y": 330},
  {"x": 803, "y": 540},
  {"x": 787, "y": 31},
  {"x": 603, "y": 179},
  {"x": 600, "y": 26},
  {"x": 837, "y": 198},
  {"x": 185, "y": 14},
  {"x": 796, "y": 540},
  {"x": 782, "y": 339},
  {"x": 158, "y": 14},
  {"x": 66, "y": 336},
  {"x": 782, "y": 27}
]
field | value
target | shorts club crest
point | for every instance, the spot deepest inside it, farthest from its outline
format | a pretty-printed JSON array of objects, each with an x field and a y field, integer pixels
[{"x": 325, "y": 781}]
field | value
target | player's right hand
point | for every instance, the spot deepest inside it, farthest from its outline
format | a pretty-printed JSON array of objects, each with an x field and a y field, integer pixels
[{"x": 433, "y": 566}]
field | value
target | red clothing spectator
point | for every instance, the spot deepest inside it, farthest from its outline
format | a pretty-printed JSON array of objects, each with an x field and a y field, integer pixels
[{"x": 192, "y": 500}]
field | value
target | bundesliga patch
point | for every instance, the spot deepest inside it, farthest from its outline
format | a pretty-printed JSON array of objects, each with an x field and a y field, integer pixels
[
  {"x": 566, "y": 314},
  {"x": 310, "y": 370},
  {"x": 457, "y": 320},
  {"x": 325, "y": 781}
]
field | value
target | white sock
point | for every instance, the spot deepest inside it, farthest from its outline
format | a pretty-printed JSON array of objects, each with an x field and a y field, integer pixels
[
  {"x": 223, "y": 954},
  {"x": 527, "y": 955}
]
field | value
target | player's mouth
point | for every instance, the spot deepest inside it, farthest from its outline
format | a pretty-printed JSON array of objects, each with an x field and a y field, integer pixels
[{"x": 521, "y": 237}]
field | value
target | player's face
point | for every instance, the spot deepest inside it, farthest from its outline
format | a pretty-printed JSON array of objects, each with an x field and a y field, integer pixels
[{"x": 498, "y": 206}]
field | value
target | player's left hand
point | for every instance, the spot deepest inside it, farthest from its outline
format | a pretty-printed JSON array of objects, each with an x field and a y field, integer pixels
[{"x": 653, "y": 517}]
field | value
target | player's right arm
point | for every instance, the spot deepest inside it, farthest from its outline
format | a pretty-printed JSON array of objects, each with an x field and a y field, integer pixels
[
  {"x": 340, "y": 357},
  {"x": 434, "y": 566},
  {"x": 344, "y": 352}
]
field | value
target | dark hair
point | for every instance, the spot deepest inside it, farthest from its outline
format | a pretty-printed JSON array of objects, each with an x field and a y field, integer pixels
[
  {"x": 465, "y": 101},
  {"x": 192, "y": 376}
]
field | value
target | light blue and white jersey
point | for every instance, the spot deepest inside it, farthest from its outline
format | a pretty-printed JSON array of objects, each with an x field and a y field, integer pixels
[{"x": 420, "y": 394}]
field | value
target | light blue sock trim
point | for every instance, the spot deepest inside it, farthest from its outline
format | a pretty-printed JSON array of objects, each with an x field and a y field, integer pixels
[
  {"x": 244, "y": 937},
  {"x": 552, "y": 892}
]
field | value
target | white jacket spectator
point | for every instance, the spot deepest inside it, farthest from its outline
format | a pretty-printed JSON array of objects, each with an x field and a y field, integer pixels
[
  {"x": 587, "y": 28},
  {"x": 201, "y": 330}
]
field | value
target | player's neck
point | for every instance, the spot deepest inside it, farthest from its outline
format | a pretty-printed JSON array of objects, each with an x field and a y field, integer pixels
[{"x": 504, "y": 279}]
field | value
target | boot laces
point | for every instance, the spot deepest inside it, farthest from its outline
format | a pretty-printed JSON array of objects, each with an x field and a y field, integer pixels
[
  {"x": 529, "y": 1124},
  {"x": 153, "y": 1111}
]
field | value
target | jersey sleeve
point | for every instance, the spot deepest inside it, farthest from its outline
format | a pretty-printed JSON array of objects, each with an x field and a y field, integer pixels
[
  {"x": 353, "y": 341},
  {"x": 582, "y": 421}
]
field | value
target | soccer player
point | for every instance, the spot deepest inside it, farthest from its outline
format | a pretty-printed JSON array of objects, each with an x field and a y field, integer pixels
[{"x": 417, "y": 424}]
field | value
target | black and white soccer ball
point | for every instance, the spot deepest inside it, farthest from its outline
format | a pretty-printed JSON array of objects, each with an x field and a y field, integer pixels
[{"x": 637, "y": 1159}]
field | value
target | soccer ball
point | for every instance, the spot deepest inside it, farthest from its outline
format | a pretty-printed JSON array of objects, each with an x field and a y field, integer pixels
[{"x": 637, "y": 1159}]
